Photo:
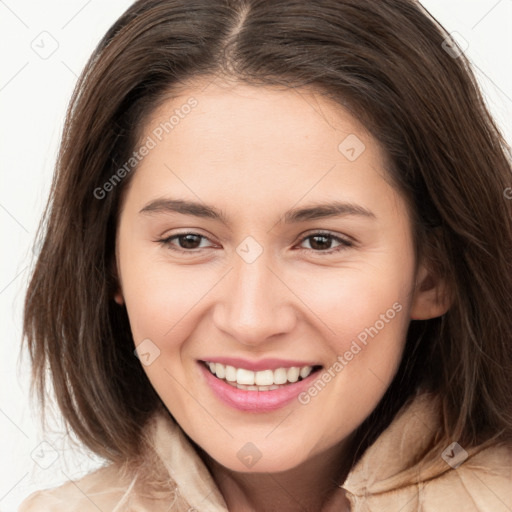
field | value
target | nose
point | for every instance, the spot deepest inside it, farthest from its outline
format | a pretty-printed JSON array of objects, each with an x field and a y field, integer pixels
[{"x": 255, "y": 304}]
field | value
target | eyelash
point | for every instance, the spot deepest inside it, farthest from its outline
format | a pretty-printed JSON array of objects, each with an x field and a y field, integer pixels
[{"x": 344, "y": 244}]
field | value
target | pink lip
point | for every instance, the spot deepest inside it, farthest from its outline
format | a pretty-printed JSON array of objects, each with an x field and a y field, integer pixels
[
  {"x": 263, "y": 364},
  {"x": 255, "y": 401}
]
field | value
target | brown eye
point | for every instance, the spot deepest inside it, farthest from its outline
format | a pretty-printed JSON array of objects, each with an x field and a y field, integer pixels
[
  {"x": 322, "y": 242},
  {"x": 189, "y": 241},
  {"x": 184, "y": 242}
]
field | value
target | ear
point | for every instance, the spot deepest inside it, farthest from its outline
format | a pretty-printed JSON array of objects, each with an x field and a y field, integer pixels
[
  {"x": 431, "y": 297},
  {"x": 118, "y": 297}
]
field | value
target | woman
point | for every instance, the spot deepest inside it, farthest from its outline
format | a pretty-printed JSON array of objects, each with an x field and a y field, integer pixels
[{"x": 276, "y": 265}]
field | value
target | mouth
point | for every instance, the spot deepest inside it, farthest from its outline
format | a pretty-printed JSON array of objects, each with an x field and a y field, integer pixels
[
  {"x": 262, "y": 380},
  {"x": 257, "y": 391}
]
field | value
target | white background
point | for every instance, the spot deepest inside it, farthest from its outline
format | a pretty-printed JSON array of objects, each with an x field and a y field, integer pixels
[{"x": 34, "y": 93}]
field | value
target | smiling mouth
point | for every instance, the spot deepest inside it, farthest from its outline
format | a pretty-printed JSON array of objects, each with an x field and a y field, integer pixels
[{"x": 263, "y": 380}]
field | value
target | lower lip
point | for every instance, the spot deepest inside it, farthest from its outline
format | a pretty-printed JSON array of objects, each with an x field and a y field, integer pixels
[{"x": 255, "y": 401}]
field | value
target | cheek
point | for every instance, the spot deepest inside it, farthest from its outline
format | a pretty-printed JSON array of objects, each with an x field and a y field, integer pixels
[
  {"x": 369, "y": 325},
  {"x": 161, "y": 298},
  {"x": 360, "y": 302},
  {"x": 160, "y": 302},
  {"x": 363, "y": 318}
]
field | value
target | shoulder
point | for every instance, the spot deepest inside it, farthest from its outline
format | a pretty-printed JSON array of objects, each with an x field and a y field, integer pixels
[
  {"x": 482, "y": 482},
  {"x": 102, "y": 489},
  {"x": 406, "y": 468}
]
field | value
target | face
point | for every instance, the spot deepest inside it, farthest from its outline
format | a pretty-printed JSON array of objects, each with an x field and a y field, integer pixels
[{"x": 262, "y": 235}]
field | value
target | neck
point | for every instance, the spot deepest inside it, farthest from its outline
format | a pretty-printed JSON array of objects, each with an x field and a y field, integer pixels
[{"x": 312, "y": 486}]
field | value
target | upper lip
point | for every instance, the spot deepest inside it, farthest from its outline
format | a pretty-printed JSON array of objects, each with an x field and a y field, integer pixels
[{"x": 262, "y": 364}]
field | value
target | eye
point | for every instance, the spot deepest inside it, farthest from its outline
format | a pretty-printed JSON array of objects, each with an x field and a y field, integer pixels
[
  {"x": 319, "y": 242},
  {"x": 185, "y": 242},
  {"x": 322, "y": 242}
]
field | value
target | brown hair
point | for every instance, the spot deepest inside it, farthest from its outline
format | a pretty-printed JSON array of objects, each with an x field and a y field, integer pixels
[{"x": 383, "y": 61}]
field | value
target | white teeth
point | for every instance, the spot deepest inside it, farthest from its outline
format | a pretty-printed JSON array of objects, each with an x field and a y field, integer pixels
[
  {"x": 280, "y": 376},
  {"x": 244, "y": 376},
  {"x": 264, "y": 380},
  {"x": 293, "y": 374},
  {"x": 230, "y": 373},
  {"x": 304, "y": 372},
  {"x": 220, "y": 370}
]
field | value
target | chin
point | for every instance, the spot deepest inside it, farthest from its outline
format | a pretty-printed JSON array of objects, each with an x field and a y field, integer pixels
[{"x": 249, "y": 459}]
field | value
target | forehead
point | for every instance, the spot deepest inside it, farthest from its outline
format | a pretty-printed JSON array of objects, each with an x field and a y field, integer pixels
[
  {"x": 259, "y": 145},
  {"x": 238, "y": 118}
]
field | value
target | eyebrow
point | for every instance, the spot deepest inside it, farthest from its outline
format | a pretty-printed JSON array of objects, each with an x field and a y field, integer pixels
[{"x": 294, "y": 215}]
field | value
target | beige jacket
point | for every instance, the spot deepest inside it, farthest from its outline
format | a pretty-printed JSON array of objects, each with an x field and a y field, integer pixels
[{"x": 379, "y": 482}]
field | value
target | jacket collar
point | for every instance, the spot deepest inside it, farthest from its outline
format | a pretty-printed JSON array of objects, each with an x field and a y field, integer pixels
[
  {"x": 184, "y": 466},
  {"x": 393, "y": 461}
]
